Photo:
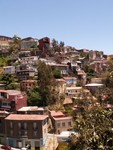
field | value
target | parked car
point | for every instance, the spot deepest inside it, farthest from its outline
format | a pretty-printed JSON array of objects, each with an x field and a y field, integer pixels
[{"x": 6, "y": 147}]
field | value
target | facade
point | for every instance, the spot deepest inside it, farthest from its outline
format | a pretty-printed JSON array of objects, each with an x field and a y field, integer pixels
[
  {"x": 98, "y": 65},
  {"x": 61, "y": 86},
  {"x": 23, "y": 129},
  {"x": 9, "y": 70},
  {"x": 25, "y": 74},
  {"x": 70, "y": 80},
  {"x": 32, "y": 60},
  {"x": 4, "y": 42},
  {"x": 94, "y": 87},
  {"x": 29, "y": 42},
  {"x": 81, "y": 76},
  {"x": 62, "y": 67},
  {"x": 24, "y": 53},
  {"x": 95, "y": 55},
  {"x": 44, "y": 44},
  {"x": 12, "y": 100},
  {"x": 60, "y": 122},
  {"x": 96, "y": 80},
  {"x": 73, "y": 91},
  {"x": 26, "y": 85}
]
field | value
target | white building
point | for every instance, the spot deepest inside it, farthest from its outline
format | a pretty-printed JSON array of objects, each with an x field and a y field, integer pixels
[{"x": 9, "y": 70}]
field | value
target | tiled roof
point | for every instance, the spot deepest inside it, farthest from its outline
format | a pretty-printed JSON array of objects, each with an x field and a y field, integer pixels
[
  {"x": 26, "y": 117},
  {"x": 56, "y": 113}
]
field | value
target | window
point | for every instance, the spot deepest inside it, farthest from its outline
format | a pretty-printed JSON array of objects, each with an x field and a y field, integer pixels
[
  {"x": 25, "y": 132},
  {"x": 69, "y": 124},
  {"x": 34, "y": 125},
  {"x": 19, "y": 125},
  {"x": 11, "y": 132},
  {"x": 58, "y": 124},
  {"x": 11, "y": 124},
  {"x": 35, "y": 133},
  {"x": 25, "y": 125},
  {"x": 63, "y": 124},
  {"x": 19, "y": 133}
]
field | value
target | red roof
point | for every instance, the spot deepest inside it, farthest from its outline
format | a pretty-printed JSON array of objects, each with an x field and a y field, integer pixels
[{"x": 56, "y": 113}]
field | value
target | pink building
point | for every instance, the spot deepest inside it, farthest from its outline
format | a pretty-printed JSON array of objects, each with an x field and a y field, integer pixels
[{"x": 12, "y": 100}]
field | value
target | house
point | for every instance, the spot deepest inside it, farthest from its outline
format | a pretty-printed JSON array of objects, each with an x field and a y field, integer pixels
[
  {"x": 24, "y": 53},
  {"x": 56, "y": 66},
  {"x": 47, "y": 61},
  {"x": 95, "y": 55},
  {"x": 70, "y": 81},
  {"x": 94, "y": 87},
  {"x": 96, "y": 80},
  {"x": 60, "y": 121},
  {"x": 98, "y": 65},
  {"x": 23, "y": 129},
  {"x": 26, "y": 85},
  {"x": 32, "y": 60},
  {"x": 61, "y": 86},
  {"x": 12, "y": 100},
  {"x": 81, "y": 76},
  {"x": 4, "y": 42},
  {"x": 25, "y": 74},
  {"x": 29, "y": 42},
  {"x": 62, "y": 67},
  {"x": 73, "y": 91},
  {"x": 44, "y": 44},
  {"x": 9, "y": 70}
]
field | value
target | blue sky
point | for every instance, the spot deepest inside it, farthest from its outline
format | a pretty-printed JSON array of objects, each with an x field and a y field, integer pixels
[{"x": 78, "y": 23}]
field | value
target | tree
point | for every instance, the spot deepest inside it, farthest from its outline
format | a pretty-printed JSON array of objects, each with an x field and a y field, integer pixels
[
  {"x": 44, "y": 94},
  {"x": 9, "y": 81},
  {"x": 15, "y": 44},
  {"x": 94, "y": 128},
  {"x": 90, "y": 71},
  {"x": 61, "y": 45},
  {"x": 34, "y": 98},
  {"x": 57, "y": 74},
  {"x": 57, "y": 47}
]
